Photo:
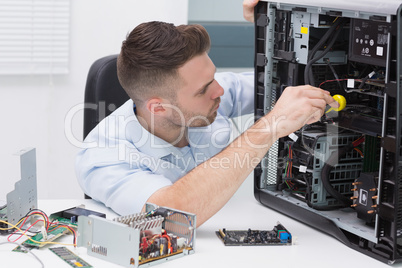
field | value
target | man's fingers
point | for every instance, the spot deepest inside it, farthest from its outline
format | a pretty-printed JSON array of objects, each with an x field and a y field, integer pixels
[
  {"x": 248, "y": 9},
  {"x": 315, "y": 92},
  {"x": 334, "y": 104},
  {"x": 318, "y": 103},
  {"x": 315, "y": 117}
]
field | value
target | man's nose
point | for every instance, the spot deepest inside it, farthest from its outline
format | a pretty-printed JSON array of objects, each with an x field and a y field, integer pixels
[{"x": 217, "y": 91}]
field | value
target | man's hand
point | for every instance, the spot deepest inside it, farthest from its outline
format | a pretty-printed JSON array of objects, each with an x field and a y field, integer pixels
[
  {"x": 298, "y": 106},
  {"x": 248, "y": 9}
]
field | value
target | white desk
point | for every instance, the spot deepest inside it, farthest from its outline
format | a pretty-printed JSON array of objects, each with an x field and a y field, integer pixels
[{"x": 313, "y": 248}]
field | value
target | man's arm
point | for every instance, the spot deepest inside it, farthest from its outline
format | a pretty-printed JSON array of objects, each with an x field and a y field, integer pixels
[{"x": 207, "y": 188}]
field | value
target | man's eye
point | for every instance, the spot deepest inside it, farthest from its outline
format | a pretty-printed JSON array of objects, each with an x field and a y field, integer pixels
[
  {"x": 202, "y": 92},
  {"x": 205, "y": 89}
]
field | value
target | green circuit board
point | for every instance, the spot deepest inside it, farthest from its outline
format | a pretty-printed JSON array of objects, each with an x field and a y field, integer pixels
[
  {"x": 51, "y": 236},
  {"x": 70, "y": 258}
]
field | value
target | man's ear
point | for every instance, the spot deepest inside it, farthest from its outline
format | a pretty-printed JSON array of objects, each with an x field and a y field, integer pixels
[{"x": 155, "y": 106}]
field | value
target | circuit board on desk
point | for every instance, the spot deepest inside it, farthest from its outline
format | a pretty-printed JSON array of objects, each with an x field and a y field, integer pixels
[
  {"x": 70, "y": 216},
  {"x": 70, "y": 258},
  {"x": 63, "y": 221},
  {"x": 277, "y": 236},
  {"x": 66, "y": 217},
  {"x": 51, "y": 236}
]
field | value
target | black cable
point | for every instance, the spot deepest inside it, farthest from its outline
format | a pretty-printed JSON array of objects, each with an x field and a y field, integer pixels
[
  {"x": 325, "y": 174},
  {"x": 32, "y": 212},
  {"x": 308, "y": 191},
  {"x": 318, "y": 46},
  {"x": 364, "y": 80},
  {"x": 337, "y": 26},
  {"x": 322, "y": 54},
  {"x": 36, "y": 209},
  {"x": 335, "y": 74},
  {"x": 323, "y": 39},
  {"x": 332, "y": 70}
]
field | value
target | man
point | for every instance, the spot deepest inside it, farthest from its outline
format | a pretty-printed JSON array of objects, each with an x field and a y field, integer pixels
[{"x": 168, "y": 144}]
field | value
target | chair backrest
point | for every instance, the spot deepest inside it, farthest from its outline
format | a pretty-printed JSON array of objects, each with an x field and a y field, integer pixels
[{"x": 103, "y": 92}]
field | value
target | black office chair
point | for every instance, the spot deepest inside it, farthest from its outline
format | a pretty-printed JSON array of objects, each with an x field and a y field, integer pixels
[{"x": 103, "y": 93}]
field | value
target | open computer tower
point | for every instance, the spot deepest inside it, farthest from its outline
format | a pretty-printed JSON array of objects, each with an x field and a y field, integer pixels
[{"x": 343, "y": 174}]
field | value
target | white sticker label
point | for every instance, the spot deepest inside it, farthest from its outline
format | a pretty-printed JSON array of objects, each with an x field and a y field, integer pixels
[
  {"x": 380, "y": 51},
  {"x": 351, "y": 83},
  {"x": 302, "y": 169},
  {"x": 293, "y": 136},
  {"x": 363, "y": 197}
]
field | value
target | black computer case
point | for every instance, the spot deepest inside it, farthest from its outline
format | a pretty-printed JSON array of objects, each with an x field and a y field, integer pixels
[{"x": 343, "y": 174}]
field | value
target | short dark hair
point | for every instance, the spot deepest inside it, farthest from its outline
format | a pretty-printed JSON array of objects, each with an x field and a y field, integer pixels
[{"x": 151, "y": 55}]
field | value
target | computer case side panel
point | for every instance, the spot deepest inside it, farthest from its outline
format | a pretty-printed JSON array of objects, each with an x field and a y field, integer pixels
[{"x": 354, "y": 196}]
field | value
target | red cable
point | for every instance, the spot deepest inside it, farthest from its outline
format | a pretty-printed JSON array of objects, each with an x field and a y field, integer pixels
[
  {"x": 358, "y": 141},
  {"x": 44, "y": 215},
  {"x": 8, "y": 238}
]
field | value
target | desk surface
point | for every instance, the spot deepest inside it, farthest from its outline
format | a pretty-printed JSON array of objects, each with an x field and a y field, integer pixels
[{"x": 312, "y": 249}]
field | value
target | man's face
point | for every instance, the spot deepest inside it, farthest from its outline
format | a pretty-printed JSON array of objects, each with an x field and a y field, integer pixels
[{"x": 198, "y": 98}]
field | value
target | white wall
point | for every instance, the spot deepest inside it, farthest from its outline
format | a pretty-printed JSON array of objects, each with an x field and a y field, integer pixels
[{"x": 33, "y": 108}]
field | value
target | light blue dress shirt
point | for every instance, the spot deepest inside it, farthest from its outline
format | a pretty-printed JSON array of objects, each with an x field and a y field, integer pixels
[{"x": 123, "y": 164}]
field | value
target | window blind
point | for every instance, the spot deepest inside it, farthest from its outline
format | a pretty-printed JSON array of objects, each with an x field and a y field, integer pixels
[{"x": 34, "y": 36}]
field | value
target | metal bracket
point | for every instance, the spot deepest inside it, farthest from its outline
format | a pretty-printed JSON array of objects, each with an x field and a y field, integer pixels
[{"x": 24, "y": 197}]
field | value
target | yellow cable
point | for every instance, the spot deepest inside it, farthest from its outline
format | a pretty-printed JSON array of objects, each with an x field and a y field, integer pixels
[
  {"x": 44, "y": 221},
  {"x": 10, "y": 224},
  {"x": 16, "y": 227}
]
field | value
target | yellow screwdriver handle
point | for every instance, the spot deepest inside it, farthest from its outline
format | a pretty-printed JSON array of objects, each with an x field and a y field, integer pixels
[{"x": 342, "y": 103}]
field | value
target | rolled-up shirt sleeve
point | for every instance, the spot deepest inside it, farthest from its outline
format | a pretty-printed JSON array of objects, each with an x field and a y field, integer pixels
[{"x": 121, "y": 185}]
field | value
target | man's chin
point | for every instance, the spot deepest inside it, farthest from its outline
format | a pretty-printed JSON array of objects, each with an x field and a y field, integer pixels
[{"x": 203, "y": 122}]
